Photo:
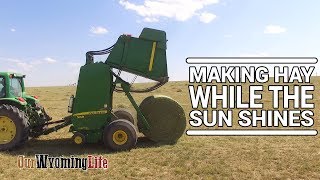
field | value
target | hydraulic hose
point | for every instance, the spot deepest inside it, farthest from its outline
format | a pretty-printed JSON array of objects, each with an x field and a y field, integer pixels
[{"x": 90, "y": 54}]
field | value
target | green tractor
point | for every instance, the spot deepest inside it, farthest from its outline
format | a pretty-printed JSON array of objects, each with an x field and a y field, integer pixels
[
  {"x": 93, "y": 118},
  {"x": 21, "y": 115}
]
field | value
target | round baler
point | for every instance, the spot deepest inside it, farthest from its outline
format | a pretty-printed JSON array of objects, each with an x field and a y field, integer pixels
[{"x": 159, "y": 118}]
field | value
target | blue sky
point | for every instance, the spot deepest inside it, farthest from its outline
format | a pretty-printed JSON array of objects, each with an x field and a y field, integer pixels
[{"x": 47, "y": 40}]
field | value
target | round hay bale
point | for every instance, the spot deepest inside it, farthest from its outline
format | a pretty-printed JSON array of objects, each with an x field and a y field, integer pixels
[{"x": 166, "y": 118}]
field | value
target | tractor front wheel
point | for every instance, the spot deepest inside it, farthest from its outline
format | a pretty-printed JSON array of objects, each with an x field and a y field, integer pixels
[
  {"x": 14, "y": 129},
  {"x": 120, "y": 135}
]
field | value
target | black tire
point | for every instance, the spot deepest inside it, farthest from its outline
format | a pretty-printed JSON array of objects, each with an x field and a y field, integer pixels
[
  {"x": 20, "y": 121},
  {"x": 111, "y": 131},
  {"x": 124, "y": 114}
]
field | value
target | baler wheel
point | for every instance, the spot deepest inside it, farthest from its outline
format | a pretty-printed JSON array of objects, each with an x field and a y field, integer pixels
[
  {"x": 120, "y": 135},
  {"x": 79, "y": 138},
  {"x": 124, "y": 114},
  {"x": 14, "y": 128}
]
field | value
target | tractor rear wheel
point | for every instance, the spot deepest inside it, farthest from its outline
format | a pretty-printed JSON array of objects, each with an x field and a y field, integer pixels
[
  {"x": 14, "y": 129},
  {"x": 120, "y": 135}
]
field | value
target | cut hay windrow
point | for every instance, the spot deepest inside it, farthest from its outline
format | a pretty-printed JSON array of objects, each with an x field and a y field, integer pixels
[{"x": 166, "y": 118}]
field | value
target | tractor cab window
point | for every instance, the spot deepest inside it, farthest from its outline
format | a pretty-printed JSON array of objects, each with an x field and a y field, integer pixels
[
  {"x": 16, "y": 87},
  {"x": 2, "y": 88}
]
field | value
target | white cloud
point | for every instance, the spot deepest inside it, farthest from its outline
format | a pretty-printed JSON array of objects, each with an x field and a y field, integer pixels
[
  {"x": 19, "y": 64},
  {"x": 206, "y": 17},
  {"x": 50, "y": 60},
  {"x": 274, "y": 29},
  {"x": 26, "y": 66},
  {"x": 98, "y": 30},
  {"x": 13, "y": 30},
  {"x": 150, "y": 19},
  {"x": 180, "y": 10}
]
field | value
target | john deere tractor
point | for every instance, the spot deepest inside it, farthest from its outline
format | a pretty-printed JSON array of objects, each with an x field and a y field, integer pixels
[{"x": 21, "y": 115}]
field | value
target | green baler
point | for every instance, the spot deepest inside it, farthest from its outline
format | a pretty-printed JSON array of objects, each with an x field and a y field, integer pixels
[{"x": 93, "y": 117}]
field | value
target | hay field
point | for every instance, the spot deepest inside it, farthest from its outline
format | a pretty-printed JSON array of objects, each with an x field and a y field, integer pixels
[{"x": 190, "y": 158}]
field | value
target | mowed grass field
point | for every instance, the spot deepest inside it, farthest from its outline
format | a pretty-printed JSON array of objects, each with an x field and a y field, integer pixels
[{"x": 191, "y": 158}]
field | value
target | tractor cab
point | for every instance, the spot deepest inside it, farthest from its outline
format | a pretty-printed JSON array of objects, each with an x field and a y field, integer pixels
[
  {"x": 12, "y": 90},
  {"x": 12, "y": 85}
]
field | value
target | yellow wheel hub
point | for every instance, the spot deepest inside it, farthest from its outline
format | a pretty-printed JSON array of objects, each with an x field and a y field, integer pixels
[
  {"x": 7, "y": 130},
  {"x": 78, "y": 140},
  {"x": 120, "y": 137}
]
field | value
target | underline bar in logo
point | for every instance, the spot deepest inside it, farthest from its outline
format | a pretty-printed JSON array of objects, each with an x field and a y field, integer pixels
[
  {"x": 283, "y": 132},
  {"x": 251, "y": 60}
]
